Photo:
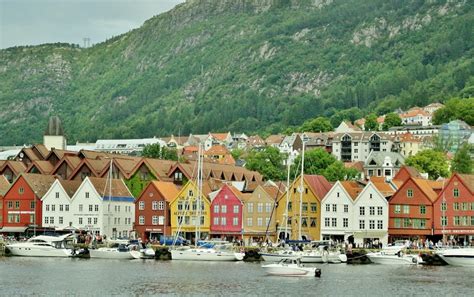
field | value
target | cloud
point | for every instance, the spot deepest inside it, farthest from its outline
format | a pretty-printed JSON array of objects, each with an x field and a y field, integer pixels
[{"x": 31, "y": 22}]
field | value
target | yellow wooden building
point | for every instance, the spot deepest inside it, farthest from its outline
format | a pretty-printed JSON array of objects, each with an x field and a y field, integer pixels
[
  {"x": 315, "y": 187},
  {"x": 185, "y": 213}
]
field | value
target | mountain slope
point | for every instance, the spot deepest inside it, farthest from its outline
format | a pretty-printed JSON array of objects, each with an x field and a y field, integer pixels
[{"x": 241, "y": 65}]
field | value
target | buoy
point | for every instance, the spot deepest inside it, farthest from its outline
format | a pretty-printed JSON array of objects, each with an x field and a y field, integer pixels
[{"x": 317, "y": 272}]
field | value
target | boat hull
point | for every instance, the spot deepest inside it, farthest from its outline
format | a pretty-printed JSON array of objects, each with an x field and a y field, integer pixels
[
  {"x": 458, "y": 257},
  {"x": 276, "y": 269},
  {"x": 38, "y": 251},
  {"x": 202, "y": 255},
  {"x": 393, "y": 259},
  {"x": 143, "y": 254},
  {"x": 110, "y": 254}
]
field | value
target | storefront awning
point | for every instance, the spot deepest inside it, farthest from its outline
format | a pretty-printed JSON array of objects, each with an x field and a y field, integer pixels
[{"x": 13, "y": 229}]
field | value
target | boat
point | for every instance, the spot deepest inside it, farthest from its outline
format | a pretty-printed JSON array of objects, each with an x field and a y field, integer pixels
[
  {"x": 458, "y": 257},
  {"x": 391, "y": 257},
  {"x": 291, "y": 267},
  {"x": 121, "y": 253},
  {"x": 42, "y": 246},
  {"x": 205, "y": 254},
  {"x": 142, "y": 253}
]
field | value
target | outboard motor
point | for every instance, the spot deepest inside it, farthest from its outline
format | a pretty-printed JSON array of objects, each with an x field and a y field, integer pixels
[{"x": 317, "y": 272}]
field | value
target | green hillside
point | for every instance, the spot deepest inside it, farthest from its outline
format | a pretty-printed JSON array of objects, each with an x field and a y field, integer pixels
[{"x": 241, "y": 65}]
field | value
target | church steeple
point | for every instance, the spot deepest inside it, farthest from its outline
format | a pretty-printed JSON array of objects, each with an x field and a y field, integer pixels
[{"x": 54, "y": 134}]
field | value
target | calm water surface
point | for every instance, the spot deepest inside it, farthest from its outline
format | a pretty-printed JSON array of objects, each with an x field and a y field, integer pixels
[{"x": 49, "y": 276}]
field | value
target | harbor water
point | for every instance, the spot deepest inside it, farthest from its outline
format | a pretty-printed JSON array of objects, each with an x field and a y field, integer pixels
[{"x": 78, "y": 277}]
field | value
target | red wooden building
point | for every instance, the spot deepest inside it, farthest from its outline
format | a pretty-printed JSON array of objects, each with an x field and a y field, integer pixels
[
  {"x": 454, "y": 209},
  {"x": 411, "y": 210},
  {"x": 22, "y": 202},
  {"x": 152, "y": 211},
  {"x": 226, "y": 213},
  {"x": 4, "y": 186}
]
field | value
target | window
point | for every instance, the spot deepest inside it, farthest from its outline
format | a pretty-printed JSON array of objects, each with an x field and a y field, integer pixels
[
  {"x": 236, "y": 208},
  {"x": 224, "y": 221},
  {"x": 53, "y": 207},
  {"x": 370, "y": 196},
  {"x": 141, "y": 220},
  {"x": 141, "y": 205},
  {"x": 21, "y": 190},
  {"x": 334, "y": 222},
  {"x": 154, "y": 205},
  {"x": 249, "y": 222},
  {"x": 346, "y": 207},
  {"x": 17, "y": 205},
  {"x": 345, "y": 222},
  {"x": 444, "y": 221},
  {"x": 443, "y": 206},
  {"x": 224, "y": 209},
  {"x": 328, "y": 207},
  {"x": 327, "y": 222},
  {"x": 87, "y": 194},
  {"x": 337, "y": 194},
  {"x": 259, "y": 222},
  {"x": 32, "y": 204},
  {"x": 10, "y": 204},
  {"x": 456, "y": 192},
  {"x": 180, "y": 205},
  {"x": 51, "y": 220},
  {"x": 406, "y": 223},
  {"x": 422, "y": 209},
  {"x": 372, "y": 224},
  {"x": 457, "y": 221},
  {"x": 314, "y": 207},
  {"x": 95, "y": 221},
  {"x": 61, "y": 207},
  {"x": 456, "y": 205},
  {"x": 397, "y": 222},
  {"x": 304, "y": 222},
  {"x": 362, "y": 210},
  {"x": 250, "y": 208},
  {"x": 313, "y": 222},
  {"x": 46, "y": 220},
  {"x": 334, "y": 208},
  {"x": 91, "y": 207},
  {"x": 235, "y": 221},
  {"x": 289, "y": 206},
  {"x": 304, "y": 206},
  {"x": 89, "y": 221},
  {"x": 216, "y": 221},
  {"x": 96, "y": 207},
  {"x": 259, "y": 207},
  {"x": 379, "y": 224},
  {"x": 154, "y": 220},
  {"x": 464, "y": 206},
  {"x": 80, "y": 221},
  {"x": 406, "y": 209},
  {"x": 361, "y": 224},
  {"x": 161, "y": 205},
  {"x": 410, "y": 193},
  {"x": 216, "y": 209},
  {"x": 398, "y": 208},
  {"x": 372, "y": 210},
  {"x": 80, "y": 207},
  {"x": 57, "y": 195},
  {"x": 161, "y": 220},
  {"x": 61, "y": 220},
  {"x": 379, "y": 210}
]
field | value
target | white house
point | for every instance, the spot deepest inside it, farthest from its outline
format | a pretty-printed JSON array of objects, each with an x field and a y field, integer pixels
[
  {"x": 337, "y": 220},
  {"x": 104, "y": 207},
  {"x": 56, "y": 204},
  {"x": 371, "y": 213}
]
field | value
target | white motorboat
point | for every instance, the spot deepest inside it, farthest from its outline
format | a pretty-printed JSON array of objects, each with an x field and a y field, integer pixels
[
  {"x": 205, "y": 254},
  {"x": 120, "y": 253},
  {"x": 458, "y": 257},
  {"x": 291, "y": 267},
  {"x": 147, "y": 253},
  {"x": 391, "y": 257},
  {"x": 42, "y": 246},
  {"x": 279, "y": 255}
]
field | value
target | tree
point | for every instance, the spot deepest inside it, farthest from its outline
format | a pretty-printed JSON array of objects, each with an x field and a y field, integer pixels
[
  {"x": 371, "y": 123},
  {"x": 430, "y": 161},
  {"x": 319, "y": 124},
  {"x": 318, "y": 161},
  {"x": 462, "y": 162},
  {"x": 268, "y": 163},
  {"x": 455, "y": 109},
  {"x": 391, "y": 120},
  {"x": 158, "y": 152}
]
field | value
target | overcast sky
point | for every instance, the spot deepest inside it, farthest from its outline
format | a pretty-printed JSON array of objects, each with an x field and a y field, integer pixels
[{"x": 31, "y": 22}]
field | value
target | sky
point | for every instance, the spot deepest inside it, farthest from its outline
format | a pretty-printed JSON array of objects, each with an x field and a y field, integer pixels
[{"x": 32, "y": 22}]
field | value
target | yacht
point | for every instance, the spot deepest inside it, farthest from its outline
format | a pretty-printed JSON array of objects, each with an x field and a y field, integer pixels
[
  {"x": 205, "y": 254},
  {"x": 394, "y": 257},
  {"x": 458, "y": 257},
  {"x": 143, "y": 252},
  {"x": 291, "y": 267},
  {"x": 121, "y": 252},
  {"x": 42, "y": 246}
]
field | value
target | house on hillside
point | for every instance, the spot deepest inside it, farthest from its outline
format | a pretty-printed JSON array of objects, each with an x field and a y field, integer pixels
[{"x": 383, "y": 164}]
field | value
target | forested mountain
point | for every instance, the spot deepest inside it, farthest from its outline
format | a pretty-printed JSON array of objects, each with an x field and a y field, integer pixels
[{"x": 241, "y": 65}]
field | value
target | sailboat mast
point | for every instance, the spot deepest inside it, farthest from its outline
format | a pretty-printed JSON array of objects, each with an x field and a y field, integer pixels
[
  {"x": 301, "y": 194},
  {"x": 287, "y": 195},
  {"x": 198, "y": 199}
]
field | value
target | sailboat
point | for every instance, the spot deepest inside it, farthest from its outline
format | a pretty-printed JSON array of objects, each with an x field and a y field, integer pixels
[{"x": 196, "y": 253}]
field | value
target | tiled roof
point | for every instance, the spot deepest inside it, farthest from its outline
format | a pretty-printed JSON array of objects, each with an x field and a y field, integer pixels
[
  {"x": 102, "y": 186},
  {"x": 468, "y": 180},
  {"x": 160, "y": 168},
  {"x": 61, "y": 153},
  {"x": 425, "y": 186},
  {"x": 167, "y": 189},
  {"x": 359, "y": 165},
  {"x": 127, "y": 166},
  {"x": 227, "y": 160},
  {"x": 383, "y": 187},
  {"x": 255, "y": 140},
  {"x": 4, "y": 185},
  {"x": 16, "y": 166},
  {"x": 274, "y": 139},
  {"x": 353, "y": 188},
  {"x": 70, "y": 186},
  {"x": 319, "y": 185},
  {"x": 220, "y": 136},
  {"x": 38, "y": 183},
  {"x": 42, "y": 149},
  {"x": 44, "y": 167},
  {"x": 216, "y": 150},
  {"x": 413, "y": 113},
  {"x": 408, "y": 137}
]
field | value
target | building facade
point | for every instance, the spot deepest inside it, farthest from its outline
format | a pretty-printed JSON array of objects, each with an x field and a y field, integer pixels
[{"x": 226, "y": 213}]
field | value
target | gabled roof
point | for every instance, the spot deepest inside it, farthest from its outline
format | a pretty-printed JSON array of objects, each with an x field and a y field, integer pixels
[
  {"x": 102, "y": 186},
  {"x": 358, "y": 165},
  {"x": 71, "y": 161},
  {"x": 383, "y": 187},
  {"x": 159, "y": 168},
  {"x": 44, "y": 167},
  {"x": 70, "y": 186},
  {"x": 318, "y": 184},
  {"x": 255, "y": 140},
  {"x": 227, "y": 160},
  {"x": 16, "y": 167},
  {"x": 167, "y": 189},
  {"x": 30, "y": 153},
  {"x": 426, "y": 188},
  {"x": 219, "y": 136},
  {"x": 274, "y": 139},
  {"x": 467, "y": 180},
  {"x": 128, "y": 167},
  {"x": 216, "y": 150},
  {"x": 60, "y": 153},
  {"x": 38, "y": 183},
  {"x": 379, "y": 158},
  {"x": 96, "y": 166},
  {"x": 4, "y": 185},
  {"x": 352, "y": 188},
  {"x": 42, "y": 150}
]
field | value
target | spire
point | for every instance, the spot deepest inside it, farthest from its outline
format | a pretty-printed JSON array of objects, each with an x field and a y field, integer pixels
[{"x": 55, "y": 127}]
